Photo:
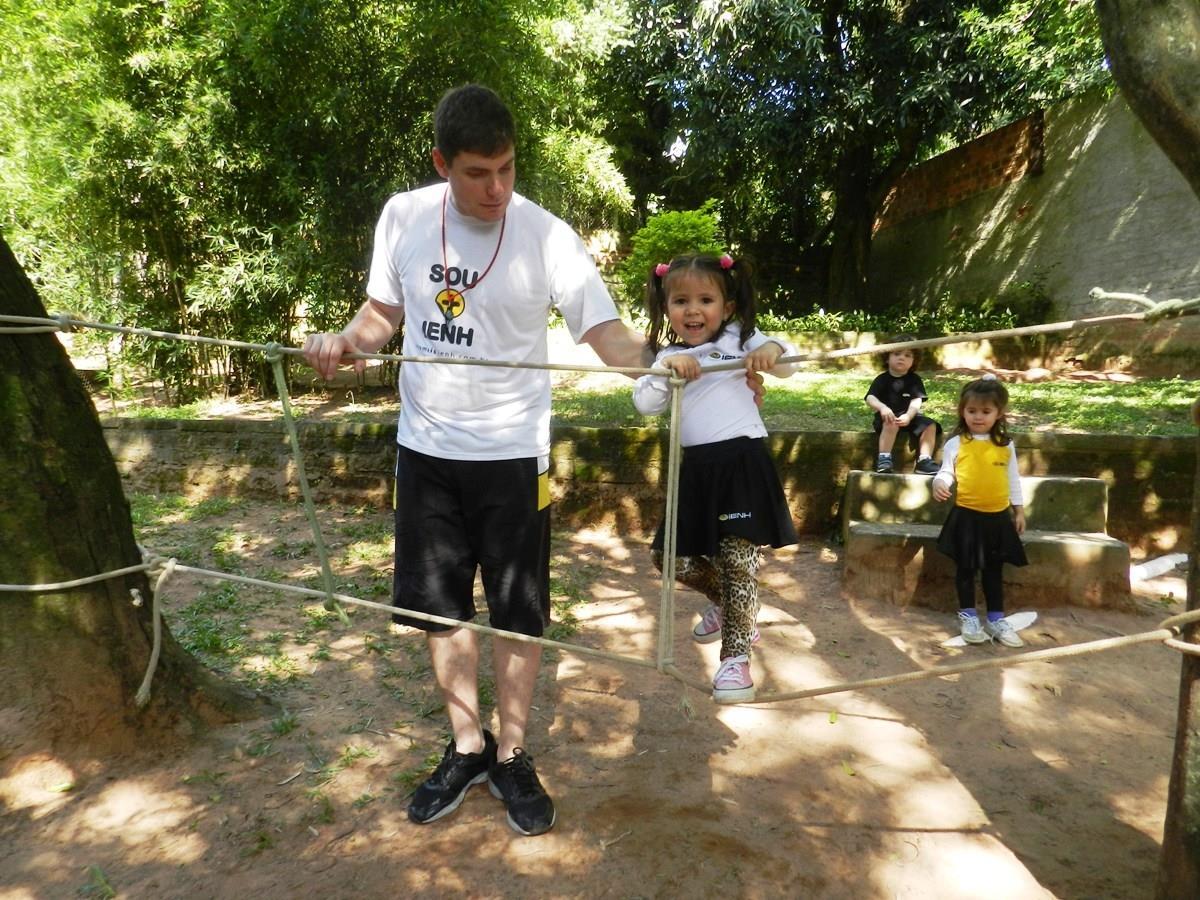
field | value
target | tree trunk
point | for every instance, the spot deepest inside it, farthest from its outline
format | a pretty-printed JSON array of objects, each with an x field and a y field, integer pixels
[
  {"x": 1179, "y": 866},
  {"x": 850, "y": 231},
  {"x": 1153, "y": 47},
  {"x": 71, "y": 661}
]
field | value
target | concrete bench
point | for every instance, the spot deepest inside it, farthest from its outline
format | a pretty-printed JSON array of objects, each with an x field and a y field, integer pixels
[{"x": 890, "y": 525}]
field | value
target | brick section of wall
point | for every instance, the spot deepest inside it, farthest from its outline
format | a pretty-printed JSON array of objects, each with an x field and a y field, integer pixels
[
  {"x": 991, "y": 160},
  {"x": 613, "y": 476}
]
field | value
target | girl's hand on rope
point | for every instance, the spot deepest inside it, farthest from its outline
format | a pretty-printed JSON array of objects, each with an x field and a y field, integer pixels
[
  {"x": 763, "y": 359},
  {"x": 324, "y": 353},
  {"x": 684, "y": 366}
]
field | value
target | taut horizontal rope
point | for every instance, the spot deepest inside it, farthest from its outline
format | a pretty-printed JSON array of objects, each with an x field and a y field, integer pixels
[
  {"x": 1167, "y": 633},
  {"x": 78, "y": 582}
]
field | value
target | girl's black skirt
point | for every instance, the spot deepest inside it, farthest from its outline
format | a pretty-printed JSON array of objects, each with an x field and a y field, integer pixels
[
  {"x": 980, "y": 540},
  {"x": 729, "y": 488}
]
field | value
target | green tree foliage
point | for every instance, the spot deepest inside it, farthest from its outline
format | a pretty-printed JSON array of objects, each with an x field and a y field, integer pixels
[
  {"x": 216, "y": 167},
  {"x": 800, "y": 116},
  {"x": 664, "y": 237}
]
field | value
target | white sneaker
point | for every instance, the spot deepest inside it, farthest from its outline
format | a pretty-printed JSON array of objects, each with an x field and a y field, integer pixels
[
  {"x": 1001, "y": 630},
  {"x": 732, "y": 683},
  {"x": 972, "y": 631}
]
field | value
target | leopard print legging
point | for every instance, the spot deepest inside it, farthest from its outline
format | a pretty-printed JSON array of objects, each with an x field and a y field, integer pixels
[{"x": 730, "y": 581}]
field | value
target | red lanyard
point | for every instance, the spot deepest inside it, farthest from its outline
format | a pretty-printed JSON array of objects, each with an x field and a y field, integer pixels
[{"x": 445, "y": 265}]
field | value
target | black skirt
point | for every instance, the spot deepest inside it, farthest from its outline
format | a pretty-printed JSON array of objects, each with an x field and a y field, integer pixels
[
  {"x": 980, "y": 540},
  {"x": 729, "y": 488}
]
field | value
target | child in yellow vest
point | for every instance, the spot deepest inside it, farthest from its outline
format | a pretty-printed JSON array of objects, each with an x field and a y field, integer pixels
[{"x": 983, "y": 530}]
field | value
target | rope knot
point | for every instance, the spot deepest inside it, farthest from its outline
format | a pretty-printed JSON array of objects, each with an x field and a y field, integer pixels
[
  {"x": 65, "y": 323},
  {"x": 273, "y": 352},
  {"x": 1168, "y": 309}
]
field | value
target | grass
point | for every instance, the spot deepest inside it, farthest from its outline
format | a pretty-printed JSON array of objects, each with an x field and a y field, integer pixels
[{"x": 821, "y": 401}]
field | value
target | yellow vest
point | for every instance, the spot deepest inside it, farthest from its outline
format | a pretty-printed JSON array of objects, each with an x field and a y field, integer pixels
[{"x": 981, "y": 471}]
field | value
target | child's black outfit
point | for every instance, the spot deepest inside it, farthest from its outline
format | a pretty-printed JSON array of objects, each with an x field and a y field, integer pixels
[{"x": 896, "y": 393}]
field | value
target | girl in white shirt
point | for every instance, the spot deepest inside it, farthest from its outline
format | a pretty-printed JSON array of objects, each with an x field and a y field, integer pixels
[{"x": 730, "y": 500}]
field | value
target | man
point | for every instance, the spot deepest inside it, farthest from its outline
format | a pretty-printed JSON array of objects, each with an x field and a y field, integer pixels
[{"x": 474, "y": 269}]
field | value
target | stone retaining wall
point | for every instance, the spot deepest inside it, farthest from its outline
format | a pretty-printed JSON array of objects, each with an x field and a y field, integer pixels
[{"x": 612, "y": 476}]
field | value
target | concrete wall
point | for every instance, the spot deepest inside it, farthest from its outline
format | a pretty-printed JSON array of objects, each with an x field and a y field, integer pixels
[
  {"x": 1107, "y": 209},
  {"x": 613, "y": 476}
]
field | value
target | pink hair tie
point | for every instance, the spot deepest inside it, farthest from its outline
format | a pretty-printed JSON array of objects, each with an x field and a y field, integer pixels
[
  {"x": 726, "y": 261},
  {"x": 661, "y": 270}
]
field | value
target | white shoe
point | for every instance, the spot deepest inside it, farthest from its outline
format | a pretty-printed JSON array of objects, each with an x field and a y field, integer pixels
[
  {"x": 972, "y": 631},
  {"x": 1001, "y": 630}
]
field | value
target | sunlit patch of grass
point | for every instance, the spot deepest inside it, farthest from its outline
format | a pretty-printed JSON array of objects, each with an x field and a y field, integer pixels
[
  {"x": 352, "y": 753},
  {"x": 567, "y": 591},
  {"x": 229, "y": 550},
  {"x": 293, "y": 550},
  {"x": 212, "y": 506},
  {"x": 370, "y": 553},
  {"x": 154, "y": 509},
  {"x": 594, "y": 408},
  {"x": 833, "y": 401},
  {"x": 364, "y": 800},
  {"x": 375, "y": 528},
  {"x": 272, "y": 670},
  {"x": 212, "y": 626}
]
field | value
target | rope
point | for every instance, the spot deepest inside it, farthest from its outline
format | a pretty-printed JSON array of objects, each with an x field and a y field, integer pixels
[
  {"x": 1167, "y": 633},
  {"x": 666, "y": 615},
  {"x": 67, "y": 585},
  {"x": 576, "y": 649},
  {"x": 165, "y": 568},
  {"x": 275, "y": 357},
  {"x": 1154, "y": 311}
]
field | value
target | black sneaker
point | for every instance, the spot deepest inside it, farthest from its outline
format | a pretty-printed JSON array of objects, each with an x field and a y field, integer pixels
[
  {"x": 883, "y": 465},
  {"x": 444, "y": 790},
  {"x": 530, "y": 809},
  {"x": 926, "y": 466}
]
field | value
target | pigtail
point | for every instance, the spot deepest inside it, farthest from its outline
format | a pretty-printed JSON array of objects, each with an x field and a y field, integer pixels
[
  {"x": 739, "y": 287},
  {"x": 656, "y": 306}
]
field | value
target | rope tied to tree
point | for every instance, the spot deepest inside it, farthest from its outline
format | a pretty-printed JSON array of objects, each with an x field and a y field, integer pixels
[
  {"x": 1154, "y": 310},
  {"x": 161, "y": 568}
]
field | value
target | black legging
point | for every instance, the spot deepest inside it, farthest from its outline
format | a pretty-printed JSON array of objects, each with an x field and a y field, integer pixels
[{"x": 993, "y": 587}]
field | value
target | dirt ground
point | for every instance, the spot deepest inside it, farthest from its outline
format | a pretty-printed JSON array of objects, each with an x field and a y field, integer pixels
[{"x": 1045, "y": 780}]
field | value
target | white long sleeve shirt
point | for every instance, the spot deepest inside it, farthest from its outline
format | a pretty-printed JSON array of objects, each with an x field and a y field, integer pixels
[{"x": 716, "y": 406}]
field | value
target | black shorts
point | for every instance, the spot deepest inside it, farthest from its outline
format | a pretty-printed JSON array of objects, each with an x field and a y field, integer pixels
[
  {"x": 454, "y": 516},
  {"x": 913, "y": 429}
]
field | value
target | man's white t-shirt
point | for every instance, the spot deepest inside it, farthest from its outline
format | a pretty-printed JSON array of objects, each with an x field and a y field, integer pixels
[
  {"x": 719, "y": 405},
  {"x": 480, "y": 412}
]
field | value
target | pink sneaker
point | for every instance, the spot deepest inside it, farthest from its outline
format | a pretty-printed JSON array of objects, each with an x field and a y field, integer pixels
[
  {"x": 732, "y": 683},
  {"x": 708, "y": 629}
]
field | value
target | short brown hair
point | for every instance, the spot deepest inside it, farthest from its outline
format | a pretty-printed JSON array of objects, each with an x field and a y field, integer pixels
[{"x": 900, "y": 339}]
